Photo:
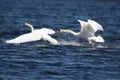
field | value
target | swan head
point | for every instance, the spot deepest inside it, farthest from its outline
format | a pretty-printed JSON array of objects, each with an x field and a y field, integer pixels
[
  {"x": 62, "y": 30},
  {"x": 59, "y": 30},
  {"x": 29, "y": 25}
]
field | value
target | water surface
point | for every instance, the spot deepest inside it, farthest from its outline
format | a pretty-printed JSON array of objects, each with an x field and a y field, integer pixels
[{"x": 41, "y": 61}]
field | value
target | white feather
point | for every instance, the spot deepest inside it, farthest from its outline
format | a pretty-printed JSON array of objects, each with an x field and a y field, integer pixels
[
  {"x": 85, "y": 28},
  {"x": 87, "y": 31},
  {"x": 97, "y": 39},
  {"x": 24, "y": 38},
  {"x": 96, "y": 26},
  {"x": 38, "y": 34}
]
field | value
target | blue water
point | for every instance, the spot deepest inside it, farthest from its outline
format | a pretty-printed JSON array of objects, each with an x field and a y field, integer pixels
[{"x": 41, "y": 61}]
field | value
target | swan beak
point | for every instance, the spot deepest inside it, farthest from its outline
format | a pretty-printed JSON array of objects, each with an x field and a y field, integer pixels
[{"x": 58, "y": 30}]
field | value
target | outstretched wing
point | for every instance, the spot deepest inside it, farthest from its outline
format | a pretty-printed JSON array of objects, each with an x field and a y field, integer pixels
[
  {"x": 95, "y": 26},
  {"x": 85, "y": 28},
  {"x": 90, "y": 27},
  {"x": 24, "y": 38}
]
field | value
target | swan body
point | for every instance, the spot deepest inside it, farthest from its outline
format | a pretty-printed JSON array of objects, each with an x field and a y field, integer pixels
[
  {"x": 34, "y": 35},
  {"x": 87, "y": 31}
]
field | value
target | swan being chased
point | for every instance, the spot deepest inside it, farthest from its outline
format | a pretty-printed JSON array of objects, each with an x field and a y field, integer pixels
[
  {"x": 34, "y": 35},
  {"x": 87, "y": 31}
]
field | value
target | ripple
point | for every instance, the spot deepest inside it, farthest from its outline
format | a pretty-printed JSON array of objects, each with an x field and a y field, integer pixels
[{"x": 72, "y": 59}]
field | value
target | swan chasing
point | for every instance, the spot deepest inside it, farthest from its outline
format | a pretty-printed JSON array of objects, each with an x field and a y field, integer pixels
[
  {"x": 87, "y": 31},
  {"x": 34, "y": 35}
]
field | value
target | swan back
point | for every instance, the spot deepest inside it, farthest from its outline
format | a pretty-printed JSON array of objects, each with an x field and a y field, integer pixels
[{"x": 47, "y": 31}]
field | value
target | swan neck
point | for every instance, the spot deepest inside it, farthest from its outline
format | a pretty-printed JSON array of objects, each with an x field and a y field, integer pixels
[
  {"x": 69, "y": 31},
  {"x": 29, "y": 25}
]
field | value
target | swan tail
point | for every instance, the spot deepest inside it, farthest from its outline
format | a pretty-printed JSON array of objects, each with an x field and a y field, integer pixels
[{"x": 97, "y": 39}]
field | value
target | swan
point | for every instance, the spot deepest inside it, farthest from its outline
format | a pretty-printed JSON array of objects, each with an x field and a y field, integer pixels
[
  {"x": 87, "y": 31},
  {"x": 34, "y": 35}
]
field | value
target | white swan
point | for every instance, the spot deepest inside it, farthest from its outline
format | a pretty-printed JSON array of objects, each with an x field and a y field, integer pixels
[
  {"x": 34, "y": 35},
  {"x": 87, "y": 32}
]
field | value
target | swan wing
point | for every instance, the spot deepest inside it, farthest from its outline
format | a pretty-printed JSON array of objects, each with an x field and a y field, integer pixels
[
  {"x": 90, "y": 27},
  {"x": 24, "y": 38},
  {"x": 85, "y": 28},
  {"x": 34, "y": 36},
  {"x": 50, "y": 39},
  {"x": 95, "y": 26}
]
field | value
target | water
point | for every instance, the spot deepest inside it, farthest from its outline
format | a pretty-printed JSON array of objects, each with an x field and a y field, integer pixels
[{"x": 75, "y": 60}]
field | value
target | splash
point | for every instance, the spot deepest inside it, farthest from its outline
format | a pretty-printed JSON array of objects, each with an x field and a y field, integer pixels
[
  {"x": 73, "y": 43},
  {"x": 101, "y": 46}
]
